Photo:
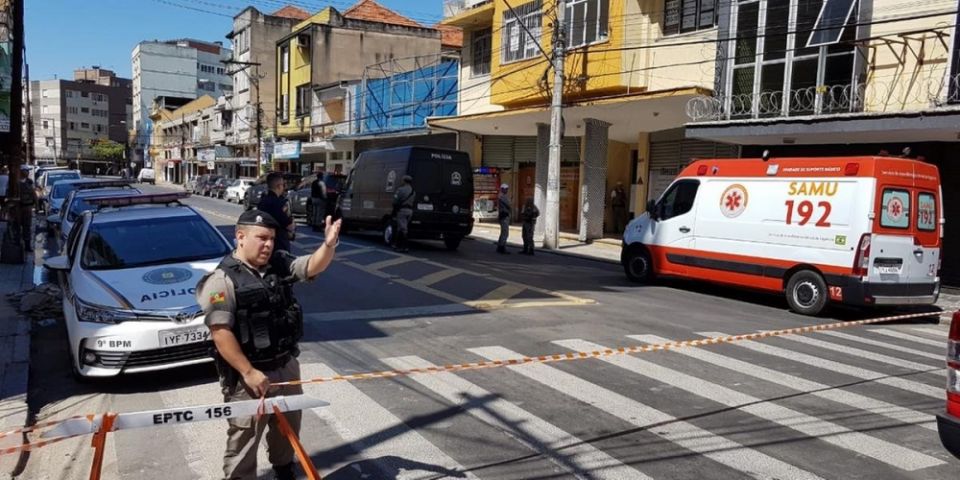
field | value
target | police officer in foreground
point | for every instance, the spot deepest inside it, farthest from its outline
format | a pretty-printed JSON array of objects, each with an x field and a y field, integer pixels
[{"x": 255, "y": 323}]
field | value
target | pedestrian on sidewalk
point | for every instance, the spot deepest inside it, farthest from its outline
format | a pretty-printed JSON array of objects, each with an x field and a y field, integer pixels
[
  {"x": 403, "y": 201},
  {"x": 274, "y": 202},
  {"x": 28, "y": 199},
  {"x": 618, "y": 201},
  {"x": 318, "y": 202},
  {"x": 504, "y": 211},
  {"x": 529, "y": 216},
  {"x": 256, "y": 323}
]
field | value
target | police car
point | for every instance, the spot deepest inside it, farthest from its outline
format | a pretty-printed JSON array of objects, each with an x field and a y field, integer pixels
[
  {"x": 76, "y": 203},
  {"x": 60, "y": 196},
  {"x": 129, "y": 272}
]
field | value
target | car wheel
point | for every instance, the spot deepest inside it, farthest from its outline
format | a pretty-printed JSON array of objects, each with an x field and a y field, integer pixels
[
  {"x": 638, "y": 265},
  {"x": 452, "y": 242},
  {"x": 806, "y": 293}
]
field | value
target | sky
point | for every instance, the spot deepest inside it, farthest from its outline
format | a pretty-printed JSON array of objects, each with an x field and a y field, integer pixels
[{"x": 63, "y": 35}]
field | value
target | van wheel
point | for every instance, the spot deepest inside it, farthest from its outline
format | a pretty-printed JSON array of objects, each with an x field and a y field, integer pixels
[
  {"x": 452, "y": 242},
  {"x": 806, "y": 293},
  {"x": 638, "y": 266}
]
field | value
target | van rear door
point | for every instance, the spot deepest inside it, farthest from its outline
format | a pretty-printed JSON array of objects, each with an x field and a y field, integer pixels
[{"x": 905, "y": 249}]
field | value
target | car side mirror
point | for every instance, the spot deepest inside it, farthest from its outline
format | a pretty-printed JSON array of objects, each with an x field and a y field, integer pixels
[
  {"x": 57, "y": 264},
  {"x": 53, "y": 219},
  {"x": 652, "y": 209}
]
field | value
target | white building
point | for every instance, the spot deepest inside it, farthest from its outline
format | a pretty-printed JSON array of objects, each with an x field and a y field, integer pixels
[{"x": 185, "y": 68}]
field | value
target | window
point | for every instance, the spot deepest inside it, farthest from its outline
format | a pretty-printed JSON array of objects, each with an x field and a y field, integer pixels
[
  {"x": 284, "y": 108},
  {"x": 84, "y": 110},
  {"x": 69, "y": 93},
  {"x": 73, "y": 126},
  {"x": 84, "y": 125},
  {"x": 45, "y": 124},
  {"x": 678, "y": 200},
  {"x": 681, "y": 16},
  {"x": 481, "y": 43},
  {"x": 896, "y": 209},
  {"x": 50, "y": 142},
  {"x": 134, "y": 243},
  {"x": 829, "y": 27},
  {"x": 587, "y": 22},
  {"x": 303, "y": 100},
  {"x": 516, "y": 43},
  {"x": 73, "y": 110},
  {"x": 99, "y": 128},
  {"x": 85, "y": 94},
  {"x": 926, "y": 212},
  {"x": 285, "y": 59}
]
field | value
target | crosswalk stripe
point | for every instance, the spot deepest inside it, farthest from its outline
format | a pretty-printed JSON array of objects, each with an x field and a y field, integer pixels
[
  {"x": 913, "y": 338},
  {"x": 392, "y": 262},
  {"x": 827, "y": 392},
  {"x": 940, "y": 334},
  {"x": 356, "y": 251},
  {"x": 368, "y": 426},
  {"x": 565, "y": 450},
  {"x": 684, "y": 434},
  {"x": 438, "y": 277},
  {"x": 862, "y": 444},
  {"x": 889, "y": 346},
  {"x": 857, "y": 352},
  {"x": 842, "y": 368}
]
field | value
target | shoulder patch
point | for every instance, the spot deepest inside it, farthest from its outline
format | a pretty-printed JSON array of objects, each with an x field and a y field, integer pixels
[{"x": 218, "y": 297}]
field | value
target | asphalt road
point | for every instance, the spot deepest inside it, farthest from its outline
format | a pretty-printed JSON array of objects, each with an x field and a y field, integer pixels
[{"x": 856, "y": 403}]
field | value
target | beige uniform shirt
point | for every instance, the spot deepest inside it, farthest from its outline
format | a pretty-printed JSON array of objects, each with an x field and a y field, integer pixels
[{"x": 215, "y": 293}]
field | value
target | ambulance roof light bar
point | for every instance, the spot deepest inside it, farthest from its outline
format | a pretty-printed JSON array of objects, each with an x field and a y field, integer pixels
[
  {"x": 93, "y": 184},
  {"x": 131, "y": 200}
]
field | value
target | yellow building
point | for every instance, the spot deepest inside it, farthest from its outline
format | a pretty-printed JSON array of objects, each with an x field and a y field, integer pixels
[{"x": 630, "y": 69}]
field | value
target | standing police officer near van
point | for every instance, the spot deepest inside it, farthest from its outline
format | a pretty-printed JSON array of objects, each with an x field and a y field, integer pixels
[
  {"x": 403, "y": 201},
  {"x": 274, "y": 202},
  {"x": 255, "y": 323},
  {"x": 504, "y": 211}
]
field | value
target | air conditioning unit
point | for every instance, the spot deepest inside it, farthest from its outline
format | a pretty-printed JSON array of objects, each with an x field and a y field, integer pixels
[{"x": 303, "y": 40}]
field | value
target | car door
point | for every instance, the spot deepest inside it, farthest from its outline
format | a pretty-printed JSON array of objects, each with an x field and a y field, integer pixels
[{"x": 673, "y": 232}]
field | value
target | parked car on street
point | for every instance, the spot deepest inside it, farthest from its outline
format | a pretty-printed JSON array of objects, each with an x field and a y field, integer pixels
[
  {"x": 948, "y": 422},
  {"x": 147, "y": 175},
  {"x": 206, "y": 188},
  {"x": 190, "y": 184},
  {"x": 238, "y": 189},
  {"x": 219, "y": 188},
  {"x": 299, "y": 197},
  {"x": 76, "y": 204},
  {"x": 131, "y": 266},
  {"x": 61, "y": 192},
  {"x": 859, "y": 231},
  {"x": 252, "y": 198},
  {"x": 442, "y": 182},
  {"x": 196, "y": 185},
  {"x": 47, "y": 180}
]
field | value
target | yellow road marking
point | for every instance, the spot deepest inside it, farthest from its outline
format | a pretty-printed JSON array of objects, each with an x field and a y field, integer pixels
[
  {"x": 390, "y": 263},
  {"x": 497, "y": 297},
  {"x": 438, "y": 277}
]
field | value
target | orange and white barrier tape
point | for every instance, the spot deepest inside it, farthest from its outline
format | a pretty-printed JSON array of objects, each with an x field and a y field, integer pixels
[{"x": 566, "y": 357}]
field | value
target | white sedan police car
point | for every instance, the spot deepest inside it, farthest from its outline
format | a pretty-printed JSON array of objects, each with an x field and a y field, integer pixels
[{"x": 129, "y": 274}]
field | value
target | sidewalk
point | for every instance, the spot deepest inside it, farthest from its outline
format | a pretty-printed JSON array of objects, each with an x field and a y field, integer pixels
[
  {"x": 608, "y": 250},
  {"x": 14, "y": 358}
]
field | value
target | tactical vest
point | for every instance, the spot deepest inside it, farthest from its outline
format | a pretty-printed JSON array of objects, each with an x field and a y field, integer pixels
[{"x": 268, "y": 320}]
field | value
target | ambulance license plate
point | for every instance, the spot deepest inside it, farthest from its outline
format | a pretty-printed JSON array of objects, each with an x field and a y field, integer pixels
[
  {"x": 888, "y": 270},
  {"x": 173, "y": 338}
]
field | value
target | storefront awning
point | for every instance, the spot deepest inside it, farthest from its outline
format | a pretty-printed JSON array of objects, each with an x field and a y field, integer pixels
[
  {"x": 627, "y": 115},
  {"x": 901, "y": 127}
]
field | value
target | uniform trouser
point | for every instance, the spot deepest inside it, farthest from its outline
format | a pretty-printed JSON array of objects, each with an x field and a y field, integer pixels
[
  {"x": 528, "y": 236},
  {"x": 403, "y": 226},
  {"x": 619, "y": 218},
  {"x": 504, "y": 231},
  {"x": 244, "y": 433},
  {"x": 26, "y": 226},
  {"x": 319, "y": 217}
]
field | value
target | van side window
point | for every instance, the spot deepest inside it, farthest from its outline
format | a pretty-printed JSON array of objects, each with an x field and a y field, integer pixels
[
  {"x": 679, "y": 199},
  {"x": 896, "y": 208},
  {"x": 926, "y": 212}
]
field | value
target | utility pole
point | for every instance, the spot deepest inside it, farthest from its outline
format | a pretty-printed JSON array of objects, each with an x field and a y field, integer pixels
[
  {"x": 255, "y": 79},
  {"x": 551, "y": 238}
]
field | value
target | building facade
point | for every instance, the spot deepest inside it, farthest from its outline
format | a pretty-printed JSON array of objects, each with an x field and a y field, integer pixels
[
  {"x": 184, "y": 68},
  {"x": 68, "y": 116},
  {"x": 816, "y": 78},
  {"x": 630, "y": 68}
]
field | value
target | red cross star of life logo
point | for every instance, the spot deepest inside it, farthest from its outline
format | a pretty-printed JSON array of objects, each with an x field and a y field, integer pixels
[
  {"x": 895, "y": 208},
  {"x": 734, "y": 201}
]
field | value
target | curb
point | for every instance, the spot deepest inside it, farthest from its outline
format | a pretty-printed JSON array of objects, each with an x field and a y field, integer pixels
[
  {"x": 15, "y": 372},
  {"x": 561, "y": 252}
]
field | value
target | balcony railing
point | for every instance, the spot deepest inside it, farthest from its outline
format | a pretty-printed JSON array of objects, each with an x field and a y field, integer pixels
[
  {"x": 454, "y": 7},
  {"x": 330, "y": 130},
  {"x": 872, "y": 96}
]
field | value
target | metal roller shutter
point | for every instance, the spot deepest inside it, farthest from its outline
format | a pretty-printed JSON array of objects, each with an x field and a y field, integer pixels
[
  {"x": 668, "y": 158},
  {"x": 525, "y": 149},
  {"x": 497, "y": 151},
  {"x": 570, "y": 153}
]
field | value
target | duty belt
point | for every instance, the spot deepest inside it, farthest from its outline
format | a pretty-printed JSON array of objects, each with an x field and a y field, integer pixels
[{"x": 270, "y": 365}]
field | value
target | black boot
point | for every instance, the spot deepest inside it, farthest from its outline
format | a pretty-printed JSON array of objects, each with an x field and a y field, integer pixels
[
  {"x": 284, "y": 472},
  {"x": 502, "y": 250}
]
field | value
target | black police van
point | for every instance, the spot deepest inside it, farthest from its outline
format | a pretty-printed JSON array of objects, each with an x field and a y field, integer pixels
[{"x": 442, "y": 180}]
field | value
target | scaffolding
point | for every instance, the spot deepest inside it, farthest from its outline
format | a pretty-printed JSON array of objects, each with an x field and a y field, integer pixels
[{"x": 400, "y": 94}]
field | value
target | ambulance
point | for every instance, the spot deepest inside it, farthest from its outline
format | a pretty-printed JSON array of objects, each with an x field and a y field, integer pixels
[{"x": 860, "y": 231}]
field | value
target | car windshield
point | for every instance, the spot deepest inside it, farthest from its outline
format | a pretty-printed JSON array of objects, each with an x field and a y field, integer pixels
[
  {"x": 136, "y": 243},
  {"x": 61, "y": 190},
  {"x": 80, "y": 205},
  {"x": 53, "y": 178}
]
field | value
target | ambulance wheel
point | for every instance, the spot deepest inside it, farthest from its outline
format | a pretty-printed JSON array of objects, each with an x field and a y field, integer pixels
[
  {"x": 638, "y": 266},
  {"x": 807, "y": 293}
]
